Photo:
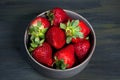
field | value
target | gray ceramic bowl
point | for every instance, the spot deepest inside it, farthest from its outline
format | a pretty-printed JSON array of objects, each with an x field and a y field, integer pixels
[{"x": 54, "y": 73}]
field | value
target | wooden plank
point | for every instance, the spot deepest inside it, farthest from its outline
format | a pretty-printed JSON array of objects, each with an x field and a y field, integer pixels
[{"x": 102, "y": 14}]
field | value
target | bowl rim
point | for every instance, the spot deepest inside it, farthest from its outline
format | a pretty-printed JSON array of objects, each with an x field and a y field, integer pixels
[{"x": 77, "y": 66}]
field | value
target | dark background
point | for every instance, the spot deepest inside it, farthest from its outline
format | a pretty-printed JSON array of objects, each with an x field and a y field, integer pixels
[{"x": 104, "y": 16}]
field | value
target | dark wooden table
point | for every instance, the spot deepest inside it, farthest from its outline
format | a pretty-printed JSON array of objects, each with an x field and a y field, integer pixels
[{"x": 104, "y": 15}]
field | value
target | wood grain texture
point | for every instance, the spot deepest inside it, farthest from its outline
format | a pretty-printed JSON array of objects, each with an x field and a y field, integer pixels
[{"x": 104, "y": 15}]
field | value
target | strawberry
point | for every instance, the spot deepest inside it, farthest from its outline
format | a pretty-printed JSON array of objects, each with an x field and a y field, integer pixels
[
  {"x": 55, "y": 37},
  {"x": 81, "y": 49},
  {"x": 72, "y": 30},
  {"x": 65, "y": 57},
  {"x": 75, "y": 30},
  {"x": 43, "y": 54},
  {"x": 37, "y": 30},
  {"x": 84, "y": 29},
  {"x": 57, "y": 15}
]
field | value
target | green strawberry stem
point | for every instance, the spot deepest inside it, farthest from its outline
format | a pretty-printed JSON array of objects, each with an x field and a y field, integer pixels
[
  {"x": 37, "y": 35},
  {"x": 59, "y": 64},
  {"x": 72, "y": 30},
  {"x": 50, "y": 16}
]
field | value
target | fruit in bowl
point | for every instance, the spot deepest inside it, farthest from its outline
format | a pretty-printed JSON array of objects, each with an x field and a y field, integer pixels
[{"x": 59, "y": 42}]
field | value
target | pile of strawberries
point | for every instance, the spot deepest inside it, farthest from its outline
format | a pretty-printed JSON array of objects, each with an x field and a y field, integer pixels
[{"x": 57, "y": 40}]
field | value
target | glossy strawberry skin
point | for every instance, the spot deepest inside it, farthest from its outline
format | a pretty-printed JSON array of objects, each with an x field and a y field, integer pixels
[
  {"x": 84, "y": 28},
  {"x": 43, "y": 54},
  {"x": 76, "y": 40},
  {"x": 59, "y": 15},
  {"x": 43, "y": 20},
  {"x": 66, "y": 54},
  {"x": 55, "y": 37},
  {"x": 81, "y": 49}
]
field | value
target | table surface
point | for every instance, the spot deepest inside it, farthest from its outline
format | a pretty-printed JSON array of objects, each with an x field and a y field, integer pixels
[{"x": 103, "y": 16}]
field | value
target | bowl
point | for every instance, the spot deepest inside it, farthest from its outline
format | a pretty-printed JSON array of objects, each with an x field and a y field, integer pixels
[{"x": 55, "y": 73}]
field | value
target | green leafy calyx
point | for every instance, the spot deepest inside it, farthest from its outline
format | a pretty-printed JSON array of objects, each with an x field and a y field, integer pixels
[
  {"x": 59, "y": 64},
  {"x": 37, "y": 35},
  {"x": 72, "y": 30},
  {"x": 50, "y": 16}
]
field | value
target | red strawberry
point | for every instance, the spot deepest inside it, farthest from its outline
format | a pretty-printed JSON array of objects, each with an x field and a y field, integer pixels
[
  {"x": 75, "y": 30},
  {"x": 43, "y": 54},
  {"x": 37, "y": 30},
  {"x": 72, "y": 30},
  {"x": 81, "y": 49},
  {"x": 84, "y": 29},
  {"x": 57, "y": 15},
  {"x": 44, "y": 22},
  {"x": 65, "y": 58},
  {"x": 55, "y": 37}
]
